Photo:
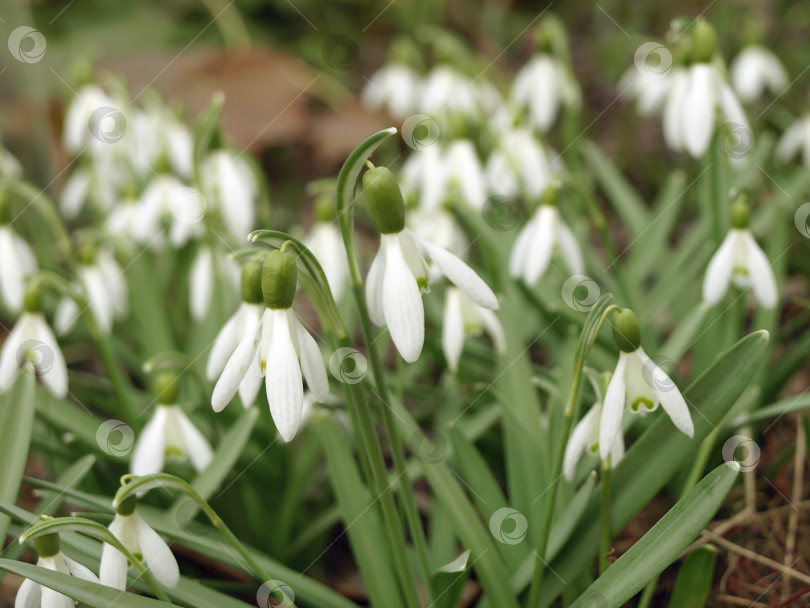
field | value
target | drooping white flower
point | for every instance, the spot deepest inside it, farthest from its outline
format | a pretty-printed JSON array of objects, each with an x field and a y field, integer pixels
[
  {"x": 639, "y": 383},
  {"x": 230, "y": 186},
  {"x": 521, "y": 164},
  {"x": 698, "y": 96},
  {"x": 326, "y": 244},
  {"x": 585, "y": 438},
  {"x": 648, "y": 87},
  {"x": 32, "y": 342},
  {"x": 740, "y": 260},
  {"x": 34, "y": 595},
  {"x": 155, "y": 134},
  {"x": 756, "y": 70},
  {"x": 542, "y": 86},
  {"x": 394, "y": 88},
  {"x": 169, "y": 435},
  {"x": 210, "y": 265},
  {"x": 544, "y": 234},
  {"x": 16, "y": 261},
  {"x": 76, "y": 134},
  {"x": 142, "y": 541},
  {"x": 167, "y": 198},
  {"x": 463, "y": 317},
  {"x": 795, "y": 139},
  {"x": 446, "y": 91}
]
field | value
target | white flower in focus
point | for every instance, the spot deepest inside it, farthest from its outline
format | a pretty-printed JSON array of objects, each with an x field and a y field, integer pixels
[
  {"x": 755, "y": 70},
  {"x": 542, "y": 86},
  {"x": 462, "y": 318},
  {"x": 169, "y": 435},
  {"x": 544, "y": 234},
  {"x": 34, "y": 595},
  {"x": 143, "y": 542},
  {"x": 395, "y": 88},
  {"x": 32, "y": 342},
  {"x": 585, "y": 438},
  {"x": 230, "y": 186},
  {"x": 16, "y": 260},
  {"x": 326, "y": 244},
  {"x": 740, "y": 260},
  {"x": 640, "y": 383},
  {"x": 796, "y": 138}
]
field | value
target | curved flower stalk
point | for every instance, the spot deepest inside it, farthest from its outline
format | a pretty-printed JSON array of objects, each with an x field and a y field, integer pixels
[
  {"x": 400, "y": 269},
  {"x": 140, "y": 540},
  {"x": 169, "y": 434},
  {"x": 699, "y": 94},
  {"x": 544, "y": 234},
  {"x": 16, "y": 261},
  {"x": 32, "y": 343},
  {"x": 462, "y": 318},
  {"x": 756, "y": 70},
  {"x": 34, "y": 595},
  {"x": 521, "y": 165},
  {"x": 739, "y": 260},
  {"x": 639, "y": 382}
]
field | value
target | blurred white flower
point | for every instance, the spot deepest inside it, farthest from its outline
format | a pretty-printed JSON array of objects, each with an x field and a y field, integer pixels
[
  {"x": 445, "y": 91},
  {"x": 544, "y": 234},
  {"x": 142, "y": 541},
  {"x": 16, "y": 261},
  {"x": 169, "y": 435},
  {"x": 76, "y": 134},
  {"x": 585, "y": 438},
  {"x": 32, "y": 342},
  {"x": 156, "y": 135},
  {"x": 9, "y": 165},
  {"x": 542, "y": 86},
  {"x": 394, "y": 88},
  {"x": 166, "y": 197},
  {"x": 34, "y": 595},
  {"x": 796, "y": 138},
  {"x": 739, "y": 260},
  {"x": 230, "y": 186},
  {"x": 462, "y": 318},
  {"x": 521, "y": 164},
  {"x": 648, "y": 88},
  {"x": 697, "y": 96},
  {"x": 326, "y": 244},
  {"x": 756, "y": 70}
]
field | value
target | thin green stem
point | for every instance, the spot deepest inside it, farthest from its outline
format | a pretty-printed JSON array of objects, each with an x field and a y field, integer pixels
[{"x": 604, "y": 517}]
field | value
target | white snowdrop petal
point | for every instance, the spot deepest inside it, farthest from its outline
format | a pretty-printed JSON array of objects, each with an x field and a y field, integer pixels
[
  {"x": 98, "y": 294},
  {"x": 452, "y": 329},
  {"x": 494, "y": 328},
  {"x": 80, "y": 571},
  {"x": 150, "y": 447},
  {"x": 672, "y": 123},
  {"x": 374, "y": 283},
  {"x": 197, "y": 446},
  {"x": 201, "y": 284},
  {"x": 74, "y": 194},
  {"x": 613, "y": 409},
  {"x": 759, "y": 269},
  {"x": 54, "y": 599},
  {"x": 235, "y": 370},
  {"x": 697, "y": 112},
  {"x": 402, "y": 302},
  {"x": 158, "y": 556},
  {"x": 225, "y": 343},
  {"x": 29, "y": 595},
  {"x": 718, "y": 273},
  {"x": 670, "y": 397},
  {"x": 791, "y": 140},
  {"x": 520, "y": 250},
  {"x": 12, "y": 286},
  {"x": 462, "y": 276},
  {"x": 578, "y": 442},
  {"x": 251, "y": 383},
  {"x": 542, "y": 245},
  {"x": 9, "y": 364},
  {"x": 55, "y": 377},
  {"x": 284, "y": 384},
  {"x": 569, "y": 249},
  {"x": 312, "y": 363}
]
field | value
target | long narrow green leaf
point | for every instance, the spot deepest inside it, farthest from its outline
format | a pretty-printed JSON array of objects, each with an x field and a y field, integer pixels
[
  {"x": 16, "y": 423},
  {"x": 695, "y": 579},
  {"x": 659, "y": 547}
]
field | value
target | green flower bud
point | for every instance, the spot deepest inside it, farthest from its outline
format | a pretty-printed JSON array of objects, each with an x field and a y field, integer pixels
[
  {"x": 279, "y": 279},
  {"x": 32, "y": 300},
  {"x": 47, "y": 545},
  {"x": 626, "y": 332},
  {"x": 166, "y": 387},
  {"x": 325, "y": 209},
  {"x": 740, "y": 214},
  {"x": 252, "y": 281},
  {"x": 704, "y": 41},
  {"x": 385, "y": 200},
  {"x": 127, "y": 506}
]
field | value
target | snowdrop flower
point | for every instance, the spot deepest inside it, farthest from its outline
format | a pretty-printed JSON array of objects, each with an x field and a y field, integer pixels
[
  {"x": 755, "y": 70},
  {"x": 16, "y": 261},
  {"x": 649, "y": 88},
  {"x": 156, "y": 135},
  {"x": 394, "y": 88},
  {"x": 740, "y": 261},
  {"x": 143, "y": 542},
  {"x": 585, "y": 438},
  {"x": 234, "y": 360},
  {"x": 326, "y": 244},
  {"x": 203, "y": 276},
  {"x": 34, "y": 595},
  {"x": 446, "y": 91},
  {"x": 400, "y": 271},
  {"x": 166, "y": 197},
  {"x": 169, "y": 434},
  {"x": 9, "y": 165},
  {"x": 229, "y": 186},
  {"x": 106, "y": 289},
  {"x": 76, "y": 133},
  {"x": 521, "y": 164},
  {"x": 544, "y": 234},
  {"x": 639, "y": 382},
  {"x": 32, "y": 343},
  {"x": 796, "y": 138},
  {"x": 542, "y": 86},
  {"x": 463, "y": 317},
  {"x": 698, "y": 94}
]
